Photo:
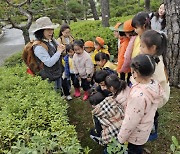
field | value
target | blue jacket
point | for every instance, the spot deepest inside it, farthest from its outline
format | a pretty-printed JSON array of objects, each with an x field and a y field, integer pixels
[{"x": 66, "y": 67}]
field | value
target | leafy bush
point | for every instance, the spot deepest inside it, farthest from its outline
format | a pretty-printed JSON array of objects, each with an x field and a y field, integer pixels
[
  {"x": 33, "y": 118},
  {"x": 13, "y": 60}
]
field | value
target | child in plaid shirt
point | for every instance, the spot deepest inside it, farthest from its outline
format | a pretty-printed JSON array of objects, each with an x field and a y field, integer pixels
[{"x": 110, "y": 112}]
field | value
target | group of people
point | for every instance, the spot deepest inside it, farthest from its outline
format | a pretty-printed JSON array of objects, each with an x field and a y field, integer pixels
[{"x": 124, "y": 95}]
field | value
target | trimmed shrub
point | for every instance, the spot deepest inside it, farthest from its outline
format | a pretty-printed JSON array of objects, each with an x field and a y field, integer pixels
[{"x": 33, "y": 117}]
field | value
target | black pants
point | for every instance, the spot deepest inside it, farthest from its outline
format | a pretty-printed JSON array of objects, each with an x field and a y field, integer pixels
[
  {"x": 66, "y": 84},
  {"x": 97, "y": 125},
  {"x": 65, "y": 87},
  {"x": 84, "y": 84},
  {"x": 123, "y": 77},
  {"x": 135, "y": 149}
]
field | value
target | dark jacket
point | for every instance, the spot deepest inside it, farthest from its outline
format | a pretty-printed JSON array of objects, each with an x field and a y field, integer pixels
[{"x": 54, "y": 72}]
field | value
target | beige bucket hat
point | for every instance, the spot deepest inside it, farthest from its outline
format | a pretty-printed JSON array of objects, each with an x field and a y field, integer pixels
[{"x": 44, "y": 23}]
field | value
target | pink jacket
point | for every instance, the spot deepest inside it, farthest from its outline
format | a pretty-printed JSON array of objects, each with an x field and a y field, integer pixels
[
  {"x": 83, "y": 65},
  {"x": 140, "y": 111},
  {"x": 122, "y": 97},
  {"x": 127, "y": 56}
]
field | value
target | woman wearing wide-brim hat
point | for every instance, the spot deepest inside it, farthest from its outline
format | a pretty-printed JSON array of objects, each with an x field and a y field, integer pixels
[{"x": 50, "y": 54}]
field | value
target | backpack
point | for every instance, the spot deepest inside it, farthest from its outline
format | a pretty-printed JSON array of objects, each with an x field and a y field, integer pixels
[
  {"x": 29, "y": 57},
  {"x": 110, "y": 71}
]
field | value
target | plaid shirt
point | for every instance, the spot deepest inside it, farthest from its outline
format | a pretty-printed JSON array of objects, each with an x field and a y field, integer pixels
[{"x": 110, "y": 114}]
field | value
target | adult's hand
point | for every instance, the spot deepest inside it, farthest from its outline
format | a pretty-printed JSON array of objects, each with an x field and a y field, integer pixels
[{"x": 60, "y": 48}]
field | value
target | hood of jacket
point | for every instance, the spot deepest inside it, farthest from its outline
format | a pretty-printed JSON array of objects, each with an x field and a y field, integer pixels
[{"x": 152, "y": 90}]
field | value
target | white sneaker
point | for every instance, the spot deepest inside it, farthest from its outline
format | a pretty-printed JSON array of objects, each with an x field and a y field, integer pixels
[{"x": 69, "y": 98}]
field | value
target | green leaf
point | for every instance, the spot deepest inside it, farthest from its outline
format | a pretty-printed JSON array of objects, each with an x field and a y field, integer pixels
[{"x": 172, "y": 147}]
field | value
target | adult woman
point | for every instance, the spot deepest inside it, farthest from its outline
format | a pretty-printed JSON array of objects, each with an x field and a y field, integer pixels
[
  {"x": 50, "y": 59},
  {"x": 65, "y": 35},
  {"x": 158, "y": 20}
]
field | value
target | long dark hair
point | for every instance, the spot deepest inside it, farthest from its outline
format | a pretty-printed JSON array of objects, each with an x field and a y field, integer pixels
[
  {"x": 115, "y": 82},
  {"x": 63, "y": 28},
  {"x": 163, "y": 23},
  {"x": 152, "y": 37}
]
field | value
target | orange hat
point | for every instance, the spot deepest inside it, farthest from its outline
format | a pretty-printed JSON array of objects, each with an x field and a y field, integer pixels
[
  {"x": 115, "y": 28},
  {"x": 100, "y": 41},
  {"x": 126, "y": 26},
  {"x": 89, "y": 44}
]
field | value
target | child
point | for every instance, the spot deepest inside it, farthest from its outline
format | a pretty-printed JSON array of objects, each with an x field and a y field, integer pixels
[
  {"x": 124, "y": 29},
  {"x": 102, "y": 60},
  {"x": 68, "y": 69},
  {"x": 110, "y": 112},
  {"x": 89, "y": 47},
  {"x": 65, "y": 35},
  {"x": 83, "y": 68},
  {"x": 99, "y": 47},
  {"x": 141, "y": 22},
  {"x": 155, "y": 44},
  {"x": 142, "y": 104},
  {"x": 116, "y": 33}
]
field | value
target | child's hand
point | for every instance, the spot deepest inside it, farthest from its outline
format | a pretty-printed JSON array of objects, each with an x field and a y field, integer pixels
[{"x": 93, "y": 106}]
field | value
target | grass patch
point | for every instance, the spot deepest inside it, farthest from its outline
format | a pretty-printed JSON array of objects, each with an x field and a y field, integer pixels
[{"x": 169, "y": 124}]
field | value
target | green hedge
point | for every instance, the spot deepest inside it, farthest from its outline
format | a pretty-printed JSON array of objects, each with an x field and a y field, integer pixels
[{"x": 33, "y": 117}]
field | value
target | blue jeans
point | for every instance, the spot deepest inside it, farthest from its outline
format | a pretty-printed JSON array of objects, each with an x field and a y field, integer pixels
[{"x": 58, "y": 84}]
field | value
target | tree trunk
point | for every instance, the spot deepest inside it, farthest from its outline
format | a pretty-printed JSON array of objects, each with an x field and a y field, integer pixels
[
  {"x": 173, "y": 25},
  {"x": 105, "y": 12},
  {"x": 26, "y": 35},
  {"x": 147, "y": 5},
  {"x": 94, "y": 11},
  {"x": 138, "y": 2}
]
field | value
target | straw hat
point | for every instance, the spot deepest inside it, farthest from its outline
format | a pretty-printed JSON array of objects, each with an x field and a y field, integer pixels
[
  {"x": 126, "y": 26},
  {"x": 44, "y": 23}
]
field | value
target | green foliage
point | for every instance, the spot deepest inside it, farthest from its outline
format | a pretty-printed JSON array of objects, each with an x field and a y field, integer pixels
[
  {"x": 116, "y": 147},
  {"x": 175, "y": 147},
  {"x": 14, "y": 60},
  {"x": 33, "y": 117}
]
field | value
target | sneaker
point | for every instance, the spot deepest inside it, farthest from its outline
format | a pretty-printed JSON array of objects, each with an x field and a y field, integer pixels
[
  {"x": 69, "y": 97},
  {"x": 153, "y": 136}
]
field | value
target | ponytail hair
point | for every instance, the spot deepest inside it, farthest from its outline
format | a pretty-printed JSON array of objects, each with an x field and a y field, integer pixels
[
  {"x": 144, "y": 64},
  {"x": 115, "y": 82},
  {"x": 152, "y": 37},
  {"x": 141, "y": 19}
]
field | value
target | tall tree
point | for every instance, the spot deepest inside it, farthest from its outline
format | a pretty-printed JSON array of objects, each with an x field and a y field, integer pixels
[
  {"x": 105, "y": 12},
  {"x": 94, "y": 11},
  {"x": 147, "y": 5},
  {"x": 173, "y": 25}
]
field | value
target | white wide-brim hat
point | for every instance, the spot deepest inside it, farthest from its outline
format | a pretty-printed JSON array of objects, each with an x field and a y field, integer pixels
[{"x": 44, "y": 23}]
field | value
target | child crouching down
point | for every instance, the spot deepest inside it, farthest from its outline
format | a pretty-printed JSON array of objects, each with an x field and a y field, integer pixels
[
  {"x": 83, "y": 68},
  {"x": 109, "y": 113},
  {"x": 142, "y": 104}
]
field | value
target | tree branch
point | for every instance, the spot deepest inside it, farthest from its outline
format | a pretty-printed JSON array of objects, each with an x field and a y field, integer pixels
[{"x": 19, "y": 5}]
